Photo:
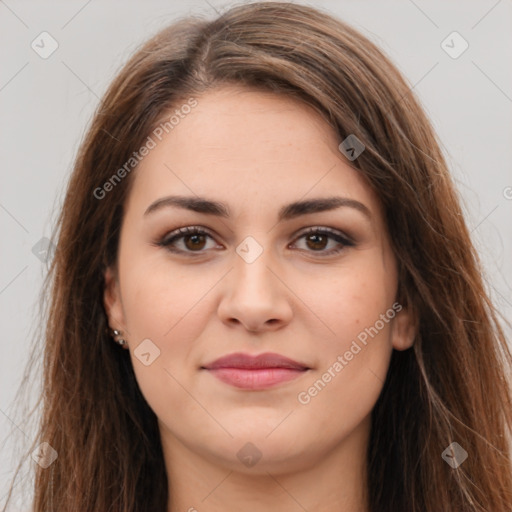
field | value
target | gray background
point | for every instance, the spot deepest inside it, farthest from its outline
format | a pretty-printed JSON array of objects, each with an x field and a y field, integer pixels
[{"x": 46, "y": 104}]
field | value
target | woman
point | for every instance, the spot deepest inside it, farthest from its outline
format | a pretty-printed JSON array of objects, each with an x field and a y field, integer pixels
[{"x": 264, "y": 294}]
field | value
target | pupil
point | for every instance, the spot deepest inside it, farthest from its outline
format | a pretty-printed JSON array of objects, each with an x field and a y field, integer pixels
[
  {"x": 316, "y": 236},
  {"x": 195, "y": 237}
]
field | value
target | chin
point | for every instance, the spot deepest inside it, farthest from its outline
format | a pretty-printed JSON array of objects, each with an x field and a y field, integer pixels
[{"x": 254, "y": 451}]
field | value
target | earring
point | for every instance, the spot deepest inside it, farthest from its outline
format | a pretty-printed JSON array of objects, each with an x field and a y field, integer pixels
[{"x": 115, "y": 332}]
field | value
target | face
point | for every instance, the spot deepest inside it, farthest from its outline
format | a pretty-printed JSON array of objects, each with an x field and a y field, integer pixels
[{"x": 314, "y": 283}]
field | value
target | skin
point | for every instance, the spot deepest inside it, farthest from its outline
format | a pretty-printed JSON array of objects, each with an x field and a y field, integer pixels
[{"x": 256, "y": 151}]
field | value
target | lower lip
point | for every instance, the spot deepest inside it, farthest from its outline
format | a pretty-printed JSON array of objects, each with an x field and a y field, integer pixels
[{"x": 260, "y": 378}]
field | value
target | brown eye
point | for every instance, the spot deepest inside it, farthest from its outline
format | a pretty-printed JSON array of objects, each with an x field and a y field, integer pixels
[
  {"x": 317, "y": 240},
  {"x": 193, "y": 240}
]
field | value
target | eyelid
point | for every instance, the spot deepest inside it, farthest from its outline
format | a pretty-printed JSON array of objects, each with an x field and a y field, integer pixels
[
  {"x": 183, "y": 231},
  {"x": 311, "y": 229},
  {"x": 325, "y": 229},
  {"x": 334, "y": 234}
]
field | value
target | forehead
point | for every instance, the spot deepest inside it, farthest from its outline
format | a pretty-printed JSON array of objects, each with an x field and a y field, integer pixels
[{"x": 244, "y": 146}]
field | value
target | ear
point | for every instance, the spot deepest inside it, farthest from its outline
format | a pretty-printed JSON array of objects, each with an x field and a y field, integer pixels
[
  {"x": 403, "y": 329},
  {"x": 112, "y": 301}
]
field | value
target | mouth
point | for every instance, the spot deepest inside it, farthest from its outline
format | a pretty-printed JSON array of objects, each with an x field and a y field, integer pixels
[{"x": 255, "y": 372}]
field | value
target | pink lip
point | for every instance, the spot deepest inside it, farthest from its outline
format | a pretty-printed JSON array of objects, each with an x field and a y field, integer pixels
[{"x": 255, "y": 372}]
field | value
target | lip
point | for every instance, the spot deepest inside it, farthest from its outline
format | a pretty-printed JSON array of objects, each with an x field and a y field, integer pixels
[{"x": 255, "y": 372}]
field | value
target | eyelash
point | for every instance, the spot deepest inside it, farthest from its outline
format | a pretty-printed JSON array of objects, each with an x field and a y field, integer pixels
[{"x": 180, "y": 233}]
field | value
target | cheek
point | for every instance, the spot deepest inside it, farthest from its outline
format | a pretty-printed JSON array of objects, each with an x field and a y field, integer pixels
[
  {"x": 170, "y": 308},
  {"x": 354, "y": 354},
  {"x": 353, "y": 302},
  {"x": 352, "y": 367},
  {"x": 161, "y": 300}
]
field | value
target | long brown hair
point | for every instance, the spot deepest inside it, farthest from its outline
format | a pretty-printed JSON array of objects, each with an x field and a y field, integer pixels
[{"x": 451, "y": 386}]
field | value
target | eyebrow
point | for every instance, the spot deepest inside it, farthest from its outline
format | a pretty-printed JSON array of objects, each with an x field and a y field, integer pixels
[{"x": 286, "y": 212}]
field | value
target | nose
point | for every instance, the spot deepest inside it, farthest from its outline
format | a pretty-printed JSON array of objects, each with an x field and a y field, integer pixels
[{"x": 254, "y": 295}]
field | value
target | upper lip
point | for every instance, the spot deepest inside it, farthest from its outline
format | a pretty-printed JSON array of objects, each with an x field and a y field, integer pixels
[{"x": 248, "y": 361}]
